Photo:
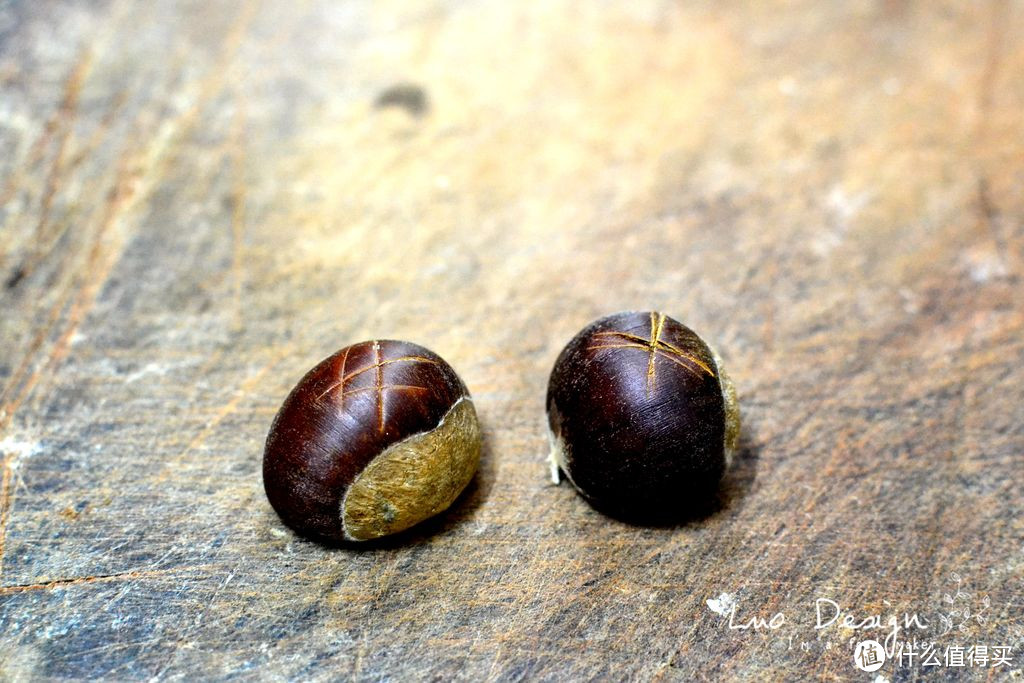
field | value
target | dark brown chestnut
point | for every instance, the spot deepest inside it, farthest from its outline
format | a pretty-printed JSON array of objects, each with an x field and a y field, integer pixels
[
  {"x": 374, "y": 439},
  {"x": 643, "y": 419}
]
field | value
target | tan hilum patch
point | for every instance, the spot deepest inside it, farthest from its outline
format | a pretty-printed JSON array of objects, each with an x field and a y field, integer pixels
[{"x": 415, "y": 478}]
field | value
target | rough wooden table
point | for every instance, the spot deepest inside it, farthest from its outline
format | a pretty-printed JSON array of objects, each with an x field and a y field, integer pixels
[{"x": 200, "y": 200}]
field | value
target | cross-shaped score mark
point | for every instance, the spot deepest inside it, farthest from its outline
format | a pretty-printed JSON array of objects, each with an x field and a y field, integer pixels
[
  {"x": 655, "y": 347},
  {"x": 379, "y": 386}
]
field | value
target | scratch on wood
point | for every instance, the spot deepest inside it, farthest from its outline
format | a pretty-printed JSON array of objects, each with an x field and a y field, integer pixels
[
  {"x": 218, "y": 74},
  {"x": 131, "y": 169},
  {"x": 98, "y": 265},
  {"x": 18, "y": 387},
  {"x": 48, "y": 239},
  {"x": 58, "y": 121},
  {"x": 76, "y": 581},
  {"x": 227, "y": 409},
  {"x": 988, "y": 216},
  {"x": 43, "y": 241},
  {"x": 995, "y": 39},
  {"x": 492, "y": 672},
  {"x": 97, "y": 270},
  {"x": 104, "y": 127},
  {"x": 10, "y": 405},
  {"x": 5, "y": 505},
  {"x": 65, "y": 114},
  {"x": 357, "y": 666}
]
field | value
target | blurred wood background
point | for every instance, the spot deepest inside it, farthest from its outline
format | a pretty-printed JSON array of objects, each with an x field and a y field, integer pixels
[{"x": 199, "y": 200}]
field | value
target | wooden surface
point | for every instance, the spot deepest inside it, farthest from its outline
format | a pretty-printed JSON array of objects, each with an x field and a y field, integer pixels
[{"x": 201, "y": 200}]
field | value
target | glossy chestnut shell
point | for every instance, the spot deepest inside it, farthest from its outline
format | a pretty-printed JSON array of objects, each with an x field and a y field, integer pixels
[
  {"x": 374, "y": 439},
  {"x": 642, "y": 417}
]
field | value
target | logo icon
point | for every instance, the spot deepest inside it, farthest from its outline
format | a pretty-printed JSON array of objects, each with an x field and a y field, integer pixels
[{"x": 869, "y": 655}]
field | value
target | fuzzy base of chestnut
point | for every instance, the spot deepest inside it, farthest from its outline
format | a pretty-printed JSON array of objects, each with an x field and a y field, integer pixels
[
  {"x": 413, "y": 479},
  {"x": 733, "y": 423}
]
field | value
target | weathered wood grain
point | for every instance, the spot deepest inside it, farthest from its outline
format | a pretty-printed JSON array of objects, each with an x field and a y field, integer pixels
[{"x": 198, "y": 201}]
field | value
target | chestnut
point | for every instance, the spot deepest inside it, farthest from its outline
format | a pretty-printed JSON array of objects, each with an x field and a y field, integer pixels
[
  {"x": 642, "y": 418},
  {"x": 374, "y": 439}
]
